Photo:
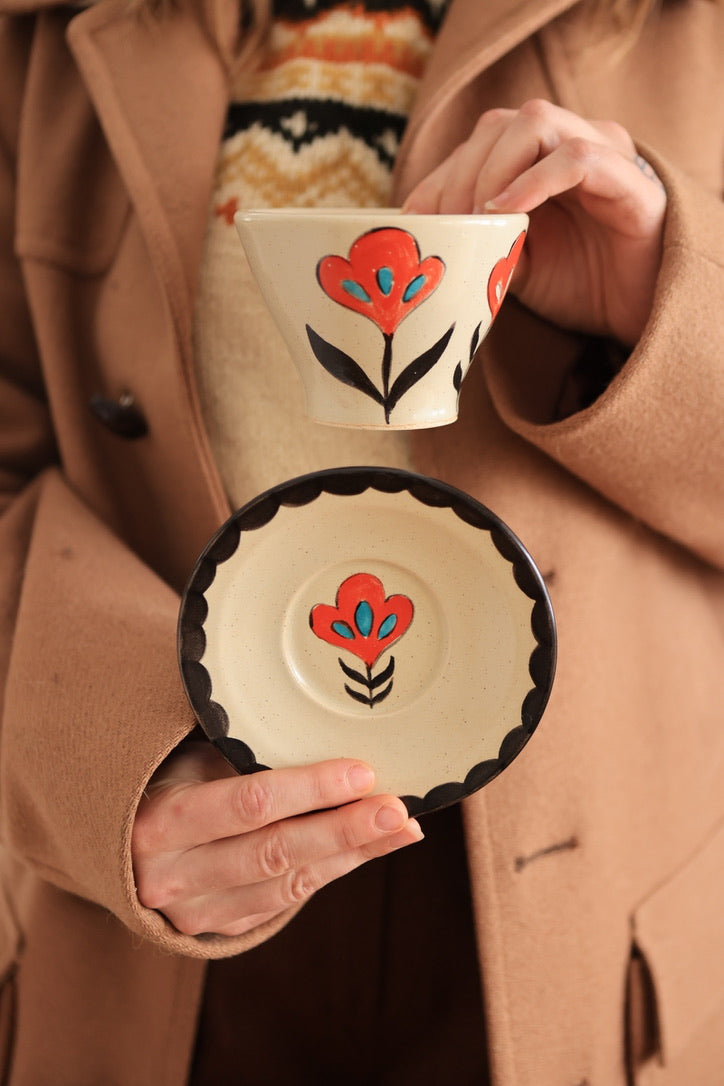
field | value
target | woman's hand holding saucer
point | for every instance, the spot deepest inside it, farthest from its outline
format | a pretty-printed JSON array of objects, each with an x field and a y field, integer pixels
[{"x": 218, "y": 852}]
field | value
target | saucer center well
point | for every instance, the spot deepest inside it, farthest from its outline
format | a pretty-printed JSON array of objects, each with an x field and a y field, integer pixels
[{"x": 364, "y": 637}]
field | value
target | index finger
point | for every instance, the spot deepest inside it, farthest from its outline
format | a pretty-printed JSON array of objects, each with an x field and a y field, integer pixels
[{"x": 197, "y": 813}]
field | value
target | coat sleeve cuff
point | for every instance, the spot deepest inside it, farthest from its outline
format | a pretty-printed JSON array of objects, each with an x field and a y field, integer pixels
[
  {"x": 652, "y": 441},
  {"x": 93, "y": 704}
]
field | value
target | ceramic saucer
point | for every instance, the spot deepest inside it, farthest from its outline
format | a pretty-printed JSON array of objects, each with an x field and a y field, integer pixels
[{"x": 375, "y": 614}]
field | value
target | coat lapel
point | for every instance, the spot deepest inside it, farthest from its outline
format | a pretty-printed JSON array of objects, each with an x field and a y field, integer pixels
[
  {"x": 160, "y": 93},
  {"x": 473, "y": 37}
]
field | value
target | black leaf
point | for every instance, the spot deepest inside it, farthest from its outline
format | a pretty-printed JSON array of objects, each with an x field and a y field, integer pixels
[
  {"x": 381, "y": 696},
  {"x": 383, "y": 675},
  {"x": 357, "y": 676},
  {"x": 341, "y": 366},
  {"x": 458, "y": 377},
  {"x": 364, "y": 698},
  {"x": 474, "y": 341},
  {"x": 416, "y": 370}
]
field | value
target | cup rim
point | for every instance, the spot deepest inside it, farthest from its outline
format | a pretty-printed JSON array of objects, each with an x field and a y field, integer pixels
[{"x": 250, "y": 215}]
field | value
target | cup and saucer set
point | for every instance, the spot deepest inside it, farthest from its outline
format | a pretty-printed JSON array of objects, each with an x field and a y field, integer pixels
[{"x": 373, "y": 612}]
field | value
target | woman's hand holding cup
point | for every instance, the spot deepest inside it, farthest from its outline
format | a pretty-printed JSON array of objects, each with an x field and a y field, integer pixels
[{"x": 596, "y": 209}]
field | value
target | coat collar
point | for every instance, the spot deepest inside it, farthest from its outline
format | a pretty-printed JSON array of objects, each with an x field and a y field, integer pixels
[
  {"x": 160, "y": 92},
  {"x": 474, "y": 35}
]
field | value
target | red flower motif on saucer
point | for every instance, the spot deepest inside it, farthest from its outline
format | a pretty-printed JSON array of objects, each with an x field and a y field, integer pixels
[{"x": 366, "y": 623}]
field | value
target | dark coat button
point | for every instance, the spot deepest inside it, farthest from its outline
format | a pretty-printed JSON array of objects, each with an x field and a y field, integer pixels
[{"x": 122, "y": 416}]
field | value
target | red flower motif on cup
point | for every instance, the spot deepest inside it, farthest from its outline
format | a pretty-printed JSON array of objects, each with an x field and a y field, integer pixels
[
  {"x": 362, "y": 621},
  {"x": 383, "y": 278},
  {"x": 501, "y": 275}
]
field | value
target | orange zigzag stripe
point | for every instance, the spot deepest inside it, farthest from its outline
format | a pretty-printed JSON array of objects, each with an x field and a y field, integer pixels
[{"x": 370, "y": 44}]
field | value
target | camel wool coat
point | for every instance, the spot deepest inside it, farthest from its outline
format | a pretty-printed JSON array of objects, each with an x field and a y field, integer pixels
[{"x": 597, "y": 857}]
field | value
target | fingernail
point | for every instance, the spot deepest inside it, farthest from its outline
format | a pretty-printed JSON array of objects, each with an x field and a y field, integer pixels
[
  {"x": 390, "y": 818},
  {"x": 497, "y": 201},
  {"x": 410, "y": 834},
  {"x": 360, "y": 778},
  {"x": 416, "y": 829}
]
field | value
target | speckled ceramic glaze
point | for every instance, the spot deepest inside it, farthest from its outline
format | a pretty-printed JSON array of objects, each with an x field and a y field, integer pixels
[
  {"x": 382, "y": 312},
  {"x": 404, "y": 624}
]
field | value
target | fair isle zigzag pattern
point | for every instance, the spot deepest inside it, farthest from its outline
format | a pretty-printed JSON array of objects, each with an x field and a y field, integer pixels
[
  {"x": 349, "y": 35},
  {"x": 267, "y": 171},
  {"x": 320, "y": 121}
]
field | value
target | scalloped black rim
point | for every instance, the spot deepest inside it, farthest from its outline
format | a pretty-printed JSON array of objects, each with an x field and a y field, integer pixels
[{"x": 350, "y": 482}]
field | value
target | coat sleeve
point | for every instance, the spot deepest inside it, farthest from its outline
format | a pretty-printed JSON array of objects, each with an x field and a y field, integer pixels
[
  {"x": 653, "y": 441},
  {"x": 90, "y": 690}
]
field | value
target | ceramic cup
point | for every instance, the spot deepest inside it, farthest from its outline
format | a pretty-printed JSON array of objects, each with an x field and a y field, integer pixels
[{"x": 382, "y": 311}]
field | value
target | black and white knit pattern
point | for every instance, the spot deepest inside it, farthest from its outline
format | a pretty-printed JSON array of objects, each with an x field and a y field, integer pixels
[{"x": 320, "y": 121}]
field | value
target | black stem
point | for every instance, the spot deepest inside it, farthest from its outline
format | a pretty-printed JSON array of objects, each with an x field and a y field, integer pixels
[{"x": 386, "y": 368}]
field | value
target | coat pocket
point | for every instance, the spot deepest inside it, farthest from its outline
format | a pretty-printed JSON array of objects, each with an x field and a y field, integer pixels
[{"x": 676, "y": 976}]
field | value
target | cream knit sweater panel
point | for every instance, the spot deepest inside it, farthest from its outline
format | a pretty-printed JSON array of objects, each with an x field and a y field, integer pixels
[{"x": 317, "y": 124}]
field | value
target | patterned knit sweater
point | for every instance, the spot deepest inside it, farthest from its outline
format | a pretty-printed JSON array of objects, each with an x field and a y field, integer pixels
[
  {"x": 320, "y": 122},
  {"x": 317, "y": 123}
]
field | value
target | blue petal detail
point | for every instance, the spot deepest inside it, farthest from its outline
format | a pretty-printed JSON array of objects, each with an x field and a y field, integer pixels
[
  {"x": 387, "y": 626},
  {"x": 343, "y": 630},
  {"x": 385, "y": 280},
  {"x": 363, "y": 618},
  {"x": 413, "y": 287},
  {"x": 355, "y": 290}
]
